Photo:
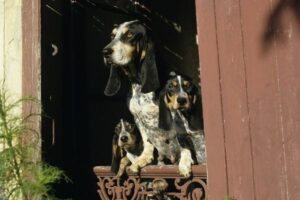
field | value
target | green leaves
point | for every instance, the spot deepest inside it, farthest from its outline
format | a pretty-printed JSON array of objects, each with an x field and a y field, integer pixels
[{"x": 21, "y": 174}]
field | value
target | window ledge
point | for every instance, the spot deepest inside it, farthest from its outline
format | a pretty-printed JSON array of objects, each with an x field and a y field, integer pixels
[{"x": 154, "y": 182}]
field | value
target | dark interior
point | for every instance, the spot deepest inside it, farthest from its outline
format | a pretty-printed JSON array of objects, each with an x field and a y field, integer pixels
[{"x": 78, "y": 121}]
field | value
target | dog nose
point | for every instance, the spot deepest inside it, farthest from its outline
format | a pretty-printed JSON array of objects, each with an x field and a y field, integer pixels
[
  {"x": 107, "y": 52},
  {"x": 124, "y": 138},
  {"x": 181, "y": 100}
]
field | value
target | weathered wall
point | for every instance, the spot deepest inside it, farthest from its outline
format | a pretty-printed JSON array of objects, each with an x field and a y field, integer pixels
[
  {"x": 11, "y": 45},
  {"x": 11, "y": 50},
  {"x": 249, "y": 54}
]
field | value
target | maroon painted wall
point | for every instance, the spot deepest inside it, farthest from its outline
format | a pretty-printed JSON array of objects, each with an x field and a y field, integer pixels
[{"x": 250, "y": 71}]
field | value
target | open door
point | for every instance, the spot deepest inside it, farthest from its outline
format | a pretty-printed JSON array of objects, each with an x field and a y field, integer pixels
[{"x": 77, "y": 127}]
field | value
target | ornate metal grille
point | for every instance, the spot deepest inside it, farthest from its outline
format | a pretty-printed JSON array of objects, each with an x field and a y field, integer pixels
[{"x": 154, "y": 182}]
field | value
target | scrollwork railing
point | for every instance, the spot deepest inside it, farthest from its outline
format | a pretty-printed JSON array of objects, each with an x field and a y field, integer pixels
[{"x": 153, "y": 183}]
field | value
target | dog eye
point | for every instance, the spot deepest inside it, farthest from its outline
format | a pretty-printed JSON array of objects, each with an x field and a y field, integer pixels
[
  {"x": 186, "y": 84},
  {"x": 112, "y": 36},
  {"x": 171, "y": 86},
  {"x": 117, "y": 130},
  {"x": 129, "y": 35},
  {"x": 130, "y": 128}
]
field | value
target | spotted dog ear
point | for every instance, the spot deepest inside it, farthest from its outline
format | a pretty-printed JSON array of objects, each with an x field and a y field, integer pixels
[
  {"x": 149, "y": 74},
  {"x": 196, "y": 119},
  {"x": 139, "y": 141},
  {"x": 165, "y": 118},
  {"x": 137, "y": 135},
  {"x": 114, "y": 82},
  {"x": 116, "y": 155}
]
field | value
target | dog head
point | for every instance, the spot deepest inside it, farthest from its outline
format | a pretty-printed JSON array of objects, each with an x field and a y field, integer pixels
[
  {"x": 180, "y": 94},
  {"x": 132, "y": 52},
  {"x": 127, "y": 138}
]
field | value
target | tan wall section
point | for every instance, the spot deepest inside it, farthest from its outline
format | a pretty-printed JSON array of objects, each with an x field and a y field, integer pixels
[{"x": 11, "y": 45}]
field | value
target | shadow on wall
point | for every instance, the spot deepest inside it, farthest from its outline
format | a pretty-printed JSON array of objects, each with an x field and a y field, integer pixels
[{"x": 275, "y": 27}]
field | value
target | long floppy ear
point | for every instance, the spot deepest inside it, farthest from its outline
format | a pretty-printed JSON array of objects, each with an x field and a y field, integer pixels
[
  {"x": 196, "y": 119},
  {"x": 114, "y": 83},
  {"x": 165, "y": 118},
  {"x": 139, "y": 140},
  {"x": 116, "y": 155},
  {"x": 149, "y": 74}
]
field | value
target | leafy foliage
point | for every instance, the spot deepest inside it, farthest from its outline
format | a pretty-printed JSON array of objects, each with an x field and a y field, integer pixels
[{"x": 22, "y": 175}]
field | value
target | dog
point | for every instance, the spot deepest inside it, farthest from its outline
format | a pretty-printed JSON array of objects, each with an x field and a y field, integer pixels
[
  {"x": 131, "y": 47},
  {"x": 131, "y": 52},
  {"x": 180, "y": 109},
  {"x": 127, "y": 146}
]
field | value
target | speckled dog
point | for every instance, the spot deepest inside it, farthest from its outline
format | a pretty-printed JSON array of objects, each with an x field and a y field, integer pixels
[
  {"x": 131, "y": 52},
  {"x": 180, "y": 109},
  {"x": 127, "y": 146}
]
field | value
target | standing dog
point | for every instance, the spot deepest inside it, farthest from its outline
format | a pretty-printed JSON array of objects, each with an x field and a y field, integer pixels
[
  {"x": 127, "y": 146},
  {"x": 180, "y": 109},
  {"x": 131, "y": 51}
]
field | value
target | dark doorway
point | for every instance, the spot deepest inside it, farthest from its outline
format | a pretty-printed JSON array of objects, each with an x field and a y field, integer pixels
[{"x": 78, "y": 121}]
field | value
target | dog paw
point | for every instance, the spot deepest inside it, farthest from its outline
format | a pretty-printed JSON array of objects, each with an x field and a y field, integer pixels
[
  {"x": 133, "y": 169},
  {"x": 148, "y": 161},
  {"x": 143, "y": 161},
  {"x": 185, "y": 170},
  {"x": 185, "y": 163}
]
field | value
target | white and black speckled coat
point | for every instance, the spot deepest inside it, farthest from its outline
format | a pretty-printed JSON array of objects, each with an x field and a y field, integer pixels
[
  {"x": 195, "y": 136},
  {"x": 146, "y": 112}
]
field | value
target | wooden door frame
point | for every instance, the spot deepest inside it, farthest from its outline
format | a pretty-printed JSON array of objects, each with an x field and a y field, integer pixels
[
  {"x": 31, "y": 59},
  {"x": 212, "y": 100},
  {"x": 31, "y": 51},
  {"x": 210, "y": 73}
]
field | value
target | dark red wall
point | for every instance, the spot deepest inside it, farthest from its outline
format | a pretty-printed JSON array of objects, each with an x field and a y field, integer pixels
[{"x": 249, "y": 60}]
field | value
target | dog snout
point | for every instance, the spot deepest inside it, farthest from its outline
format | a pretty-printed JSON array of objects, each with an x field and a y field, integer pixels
[
  {"x": 181, "y": 100},
  {"x": 107, "y": 52},
  {"x": 124, "y": 139}
]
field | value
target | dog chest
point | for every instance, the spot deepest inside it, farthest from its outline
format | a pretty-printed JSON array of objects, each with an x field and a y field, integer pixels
[
  {"x": 146, "y": 113},
  {"x": 142, "y": 106},
  {"x": 131, "y": 156}
]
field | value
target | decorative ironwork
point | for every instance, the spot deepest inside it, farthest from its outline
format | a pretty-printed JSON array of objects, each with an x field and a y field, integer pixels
[{"x": 153, "y": 183}]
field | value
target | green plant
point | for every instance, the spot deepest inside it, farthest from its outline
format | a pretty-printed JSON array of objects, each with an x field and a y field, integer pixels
[{"x": 22, "y": 176}]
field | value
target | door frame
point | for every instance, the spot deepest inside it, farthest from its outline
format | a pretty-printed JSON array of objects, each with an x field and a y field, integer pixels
[
  {"x": 213, "y": 115},
  {"x": 31, "y": 61},
  {"x": 212, "y": 106}
]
